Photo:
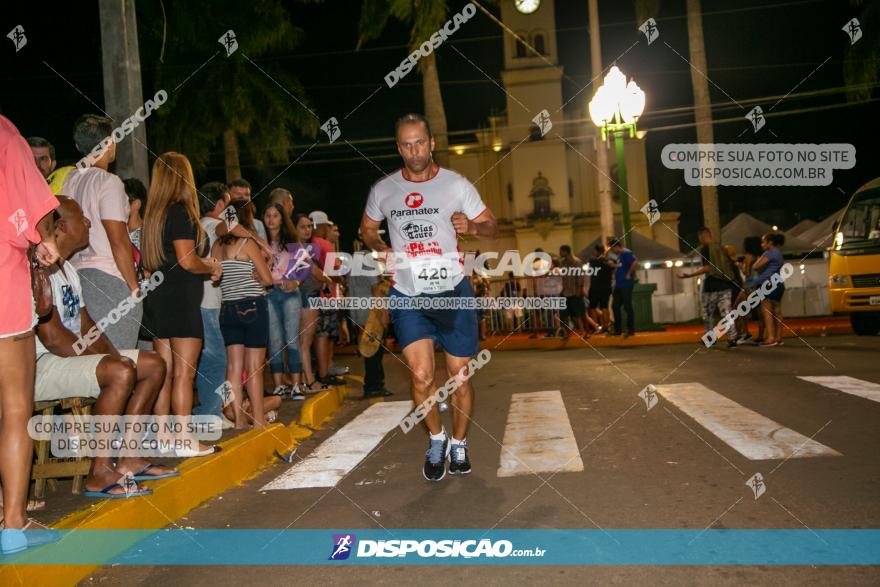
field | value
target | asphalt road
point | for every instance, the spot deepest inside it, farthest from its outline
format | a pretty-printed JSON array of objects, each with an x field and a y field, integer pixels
[{"x": 642, "y": 468}]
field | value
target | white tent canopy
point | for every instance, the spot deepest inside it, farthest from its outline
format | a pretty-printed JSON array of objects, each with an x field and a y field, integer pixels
[
  {"x": 745, "y": 225},
  {"x": 800, "y": 228},
  {"x": 644, "y": 248},
  {"x": 822, "y": 235}
]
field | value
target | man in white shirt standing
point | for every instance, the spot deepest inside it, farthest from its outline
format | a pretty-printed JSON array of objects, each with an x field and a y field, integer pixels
[
  {"x": 106, "y": 265},
  {"x": 427, "y": 207},
  {"x": 241, "y": 189}
]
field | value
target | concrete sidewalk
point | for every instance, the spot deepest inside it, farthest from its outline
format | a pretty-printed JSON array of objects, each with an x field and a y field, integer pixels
[
  {"x": 241, "y": 457},
  {"x": 677, "y": 334},
  {"x": 673, "y": 334}
]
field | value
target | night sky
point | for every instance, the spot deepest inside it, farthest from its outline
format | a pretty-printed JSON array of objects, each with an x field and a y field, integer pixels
[{"x": 754, "y": 49}]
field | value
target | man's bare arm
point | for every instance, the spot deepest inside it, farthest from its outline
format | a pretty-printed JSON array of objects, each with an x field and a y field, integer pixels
[
  {"x": 370, "y": 235},
  {"x": 241, "y": 232},
  {"x": 483, "y": 227},
  {"x": 101, "y": 346}
]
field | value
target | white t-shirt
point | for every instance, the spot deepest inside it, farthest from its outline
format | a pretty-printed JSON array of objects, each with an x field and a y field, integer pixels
[
  {"x": 211, "y": 298},
  {"x": 419, "y": 215},
  {"x": 101, "y": 195},
  {"x": 67, "y": 299},
  {"x": 260, "y": 229}
]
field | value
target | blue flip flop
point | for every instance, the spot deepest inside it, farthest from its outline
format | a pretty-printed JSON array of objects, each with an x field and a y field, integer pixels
[
  {"x": 142, "y": 476},
  {"x": 105, "y": 493}
]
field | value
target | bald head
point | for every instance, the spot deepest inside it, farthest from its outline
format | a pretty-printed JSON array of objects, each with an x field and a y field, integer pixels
[
  {"x": 284, "y": 197},
  {"x": 71, "y": 227}
]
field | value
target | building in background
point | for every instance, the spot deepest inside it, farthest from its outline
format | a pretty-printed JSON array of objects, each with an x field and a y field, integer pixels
[{"x": 541, "y": 180}]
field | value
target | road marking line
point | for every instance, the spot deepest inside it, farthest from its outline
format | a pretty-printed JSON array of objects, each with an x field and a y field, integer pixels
[
  {"x": 754, "y": 436},
  {"x": 851, "y": 385},
  {"x": 341, "y": 453},
  {"x": 538, "y": 437}
]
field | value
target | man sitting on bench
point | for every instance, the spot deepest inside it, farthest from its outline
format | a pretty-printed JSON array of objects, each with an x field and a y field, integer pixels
[{"x": 125, "y": 382}]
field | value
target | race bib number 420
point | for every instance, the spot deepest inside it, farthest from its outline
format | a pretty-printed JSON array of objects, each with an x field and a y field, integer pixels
[{"x": 432, "y": 275}]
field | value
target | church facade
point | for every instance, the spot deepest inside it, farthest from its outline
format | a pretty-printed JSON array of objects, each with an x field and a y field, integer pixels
[{"x": 535, "y": 165}]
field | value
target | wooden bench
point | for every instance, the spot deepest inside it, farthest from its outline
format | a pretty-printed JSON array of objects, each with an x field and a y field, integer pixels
[{"x": 47, "y": 468}]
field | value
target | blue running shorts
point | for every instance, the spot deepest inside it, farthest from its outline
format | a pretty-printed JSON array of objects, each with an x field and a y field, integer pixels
[{"x": 456, "y": 331}]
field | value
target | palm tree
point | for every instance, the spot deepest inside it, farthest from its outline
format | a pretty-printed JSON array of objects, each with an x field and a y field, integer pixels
[
  {"x": 423, "y": 17},
  {"x": 702, "y": 100},
  {"x": 702, "y": 107},
  {"x": 218, "y": 99}
]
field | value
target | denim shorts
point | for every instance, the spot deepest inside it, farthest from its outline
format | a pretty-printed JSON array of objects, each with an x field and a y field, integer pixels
[
  {"x": 245, "y": 322},
  {"x": 308, "y": 293}
]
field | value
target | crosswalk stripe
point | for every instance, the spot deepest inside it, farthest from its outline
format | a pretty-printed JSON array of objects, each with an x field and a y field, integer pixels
[
  {"x": 341, "y": 453},
  {"x": 538, "y": 437},
  {"x": 754, "y": 436},
  {"x": 851, "y": 385}
]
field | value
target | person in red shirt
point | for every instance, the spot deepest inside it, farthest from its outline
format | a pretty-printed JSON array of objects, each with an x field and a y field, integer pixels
[{"x": 327, "y": 332}]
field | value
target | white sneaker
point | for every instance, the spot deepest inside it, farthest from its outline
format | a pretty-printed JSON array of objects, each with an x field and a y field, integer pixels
[{"x": 296, "y": 393}]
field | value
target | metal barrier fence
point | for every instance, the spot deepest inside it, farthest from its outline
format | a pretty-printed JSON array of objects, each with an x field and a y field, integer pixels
[{"x": 519, "y": 320}]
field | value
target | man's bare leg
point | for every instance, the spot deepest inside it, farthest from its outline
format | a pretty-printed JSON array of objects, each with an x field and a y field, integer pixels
[
  {"x": 462, "y": 408},
  {"x": 116, "y": 378},
  {"x": 419, "y": 356},
  {"x": 462, "y": 398},
  {"x": 150, "y": 376}
]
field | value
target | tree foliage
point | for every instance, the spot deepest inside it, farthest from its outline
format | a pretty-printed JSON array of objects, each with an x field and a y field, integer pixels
[{"x": 210, "y": 92}]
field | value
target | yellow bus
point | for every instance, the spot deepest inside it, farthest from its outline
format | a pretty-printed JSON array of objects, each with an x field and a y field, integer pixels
[{"x": 854, "y": 261}]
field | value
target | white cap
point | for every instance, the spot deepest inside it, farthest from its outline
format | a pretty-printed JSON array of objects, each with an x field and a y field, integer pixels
[{"x": 318, "y": 218}]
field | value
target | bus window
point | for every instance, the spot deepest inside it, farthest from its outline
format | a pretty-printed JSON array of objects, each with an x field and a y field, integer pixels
[{"x": 860, "y": 225}]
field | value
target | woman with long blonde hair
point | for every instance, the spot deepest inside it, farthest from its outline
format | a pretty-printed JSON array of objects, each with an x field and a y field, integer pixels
[{"x": 173, "y": 242}]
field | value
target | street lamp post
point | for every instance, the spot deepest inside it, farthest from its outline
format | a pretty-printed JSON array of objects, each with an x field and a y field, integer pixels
[{"x": 615, "y": 109}]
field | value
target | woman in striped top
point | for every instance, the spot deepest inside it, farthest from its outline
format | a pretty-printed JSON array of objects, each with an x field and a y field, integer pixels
[{"x": 244, "y": 317}]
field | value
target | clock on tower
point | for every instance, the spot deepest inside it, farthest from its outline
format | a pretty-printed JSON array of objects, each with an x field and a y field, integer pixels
[{"x": 527, "y": 6}]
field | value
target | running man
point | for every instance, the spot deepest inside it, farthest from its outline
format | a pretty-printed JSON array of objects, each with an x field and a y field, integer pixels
[{"x": 427, "y": 207}]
